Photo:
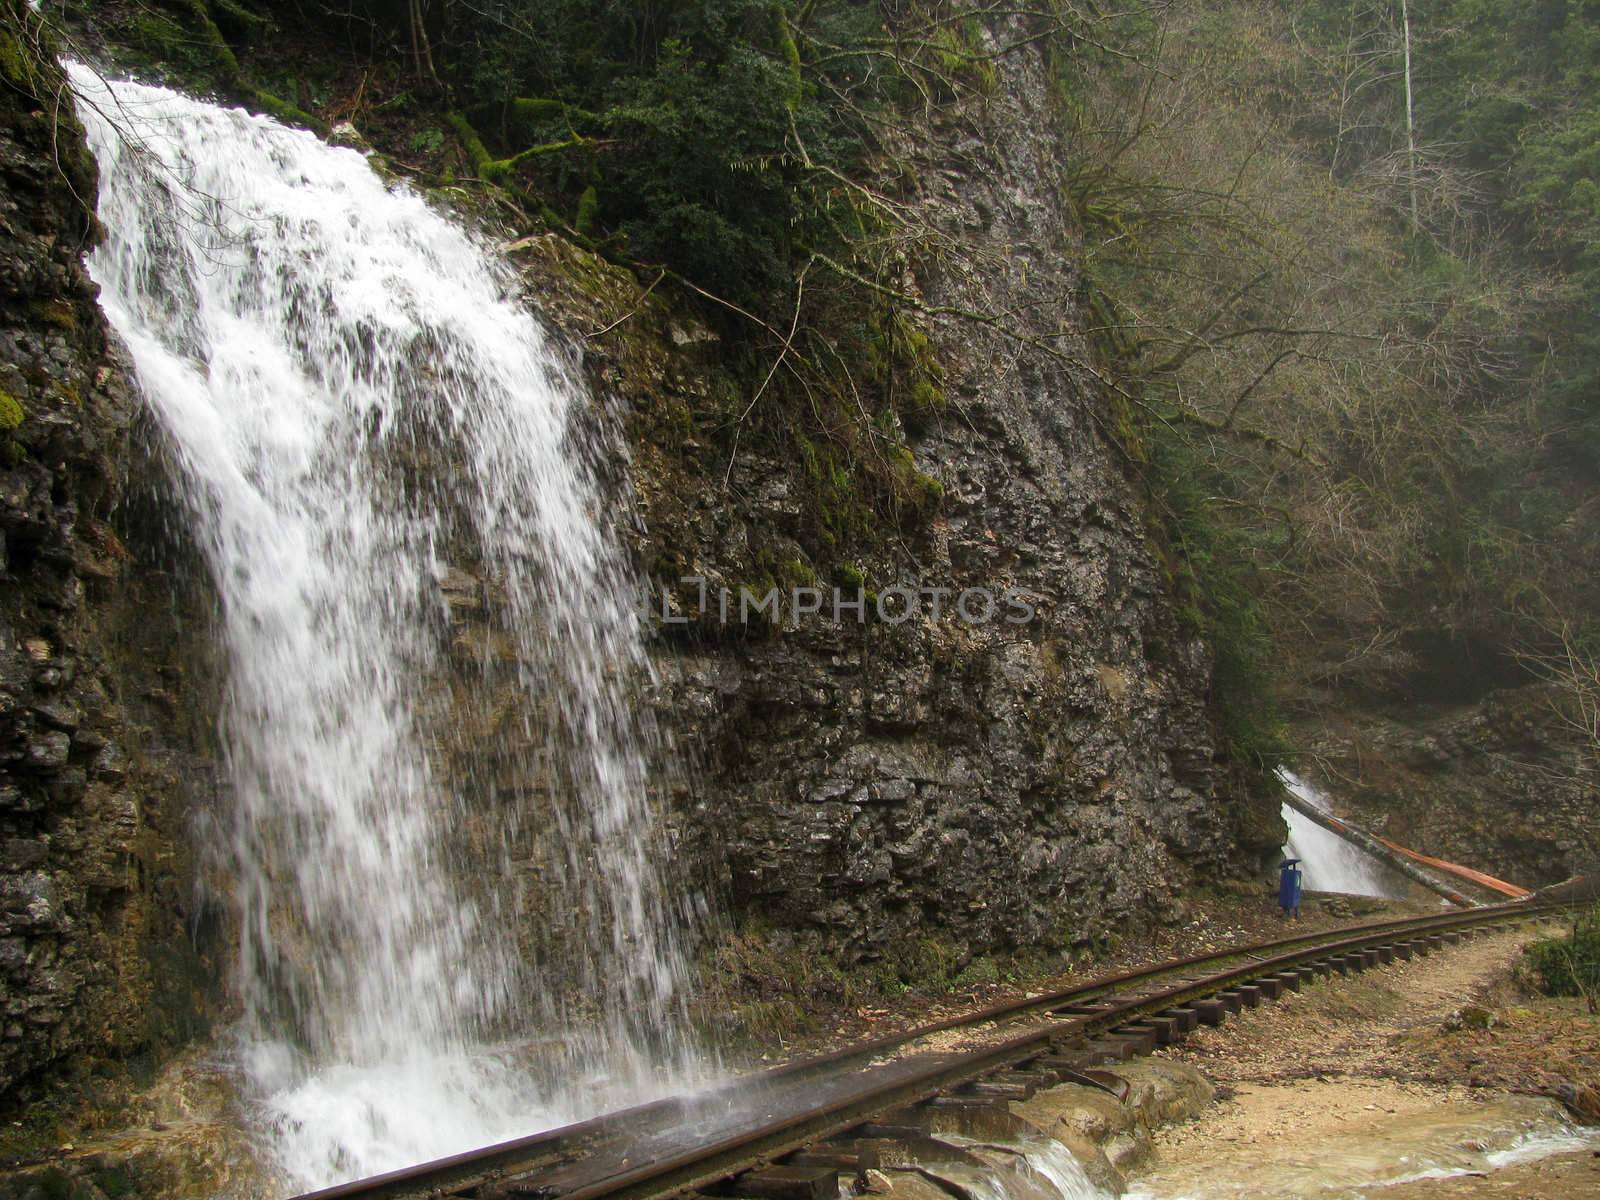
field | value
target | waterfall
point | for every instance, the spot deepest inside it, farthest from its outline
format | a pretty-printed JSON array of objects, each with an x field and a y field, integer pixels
[
  {"x": 1057, "y": 1164},
  {"x": 1330, "y": 863},
  {"x": 439, "y": 835}
]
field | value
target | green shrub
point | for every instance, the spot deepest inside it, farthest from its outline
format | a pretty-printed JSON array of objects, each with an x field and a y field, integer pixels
[
  {"x": 428, "y": 141},
  {"x": 980, "y": 972},
  {"x": 1570, "y": 965}
]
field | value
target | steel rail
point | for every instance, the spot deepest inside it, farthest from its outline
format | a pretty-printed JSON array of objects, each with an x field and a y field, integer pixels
[{"x": 929, "y": 1076}]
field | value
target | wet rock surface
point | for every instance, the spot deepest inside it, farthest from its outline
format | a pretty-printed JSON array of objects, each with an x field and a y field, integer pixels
[
  {"x": 1066, "y": 1134},
  {"x": 1162, "y": 1091},
  {"x": 1111, "y": 1137},
  {"x": 95, "y": 877},
  {"x": 178, "y": 1138}
]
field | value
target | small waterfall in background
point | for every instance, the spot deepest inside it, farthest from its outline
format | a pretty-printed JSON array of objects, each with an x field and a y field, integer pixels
[
  {"x": 1330, "y": 863},
  {"x": 370, "y": 431}
]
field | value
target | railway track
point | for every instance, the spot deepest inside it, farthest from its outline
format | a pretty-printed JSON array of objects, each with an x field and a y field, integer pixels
[{"x": 791, "y": 1132}]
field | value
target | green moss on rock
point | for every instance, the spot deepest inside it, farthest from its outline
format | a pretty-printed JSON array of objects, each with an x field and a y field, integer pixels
[
  {"x": 11, "y": 413},
  {"x": 527, "y": 113},
  {"x": 238, "y": 21},
  {"x": 477, "y": 153},
  {"x": 14, "y": 64},
  {"x": 588, "y": 211},
  {"x": 59, "y": 313},
  {"x": 286, "y": 112},
  {"x": 215, "y": 42},
  {"x": 163, "y": 40},
  {"x": 926, "y": 394}
]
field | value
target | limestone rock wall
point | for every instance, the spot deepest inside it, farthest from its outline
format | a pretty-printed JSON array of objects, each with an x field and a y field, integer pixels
[
  {"x": 990, "y": 785},
  {"x": 1000, "y": 785},
  {"x": 97, "y": 921}
]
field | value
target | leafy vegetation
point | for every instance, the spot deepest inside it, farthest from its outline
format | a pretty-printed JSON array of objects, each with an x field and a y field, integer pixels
[
  {"x": 1217, "y": 583},
  {"x": 1570, "y": 965},
  {"x": 724, "y": 139},
  {"x": 744, "y": 150},
  {"x": 763, "y": 985}
]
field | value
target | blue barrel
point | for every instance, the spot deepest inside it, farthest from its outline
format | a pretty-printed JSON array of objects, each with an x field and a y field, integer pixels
[{"x": 1289, "y": 881}]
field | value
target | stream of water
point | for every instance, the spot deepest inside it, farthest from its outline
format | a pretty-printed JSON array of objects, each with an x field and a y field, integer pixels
[
  {"x": 1359, "y": 1160},
  {"x": 356, "y": 402}
]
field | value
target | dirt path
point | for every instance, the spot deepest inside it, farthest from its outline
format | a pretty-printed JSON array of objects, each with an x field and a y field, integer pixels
[
  {"x": 1354, "y": 1026},
  {"x": 1351, "y": 1080}
]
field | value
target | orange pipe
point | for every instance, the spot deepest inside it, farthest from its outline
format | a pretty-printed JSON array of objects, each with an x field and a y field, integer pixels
[{"x": 1478, "y": 877}]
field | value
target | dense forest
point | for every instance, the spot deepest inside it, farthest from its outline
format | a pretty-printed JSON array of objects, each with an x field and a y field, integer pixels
[{"x": 1348, "y": 264}]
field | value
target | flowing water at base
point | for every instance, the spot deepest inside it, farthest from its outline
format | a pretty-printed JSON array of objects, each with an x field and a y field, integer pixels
[
  {"x": 1039, "y": 1170},
  {"x": 356, "y": 405},
  {"x": 1034, "y": 1167},
  {"x": 1053, "y": 1161}
]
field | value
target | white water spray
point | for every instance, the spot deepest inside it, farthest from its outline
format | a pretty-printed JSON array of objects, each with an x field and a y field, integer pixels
[
  {"x": 1330, "y": 863},
  {"x": 1061, "y": 1167},
  {"x": 1031, "y": 1167},
  {"x": 357, "y": 406}
]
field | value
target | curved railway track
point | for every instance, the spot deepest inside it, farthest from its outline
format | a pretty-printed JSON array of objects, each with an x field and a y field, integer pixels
[{"x": 788, "y": 1133}]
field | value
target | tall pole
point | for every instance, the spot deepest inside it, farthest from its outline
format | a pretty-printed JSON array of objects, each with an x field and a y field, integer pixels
[{"x": 1411, "y": 123}]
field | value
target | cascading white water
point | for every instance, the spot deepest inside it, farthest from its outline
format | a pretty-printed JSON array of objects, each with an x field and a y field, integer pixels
[
  {"x": 1030, "y": 1167},
  {"x": 356, "y": 403},
  {"x": 1330, "y": 863},
  {"x": 1056, "y": 1163}
]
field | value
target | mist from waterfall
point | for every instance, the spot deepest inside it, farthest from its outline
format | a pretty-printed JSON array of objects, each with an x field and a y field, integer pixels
[{"x": 362, "y": 413}]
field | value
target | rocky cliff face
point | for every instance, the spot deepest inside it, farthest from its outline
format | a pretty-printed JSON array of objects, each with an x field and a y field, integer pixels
[
  {"x": 96, "y": 913},
  {"x": 992, "y": 785}
]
